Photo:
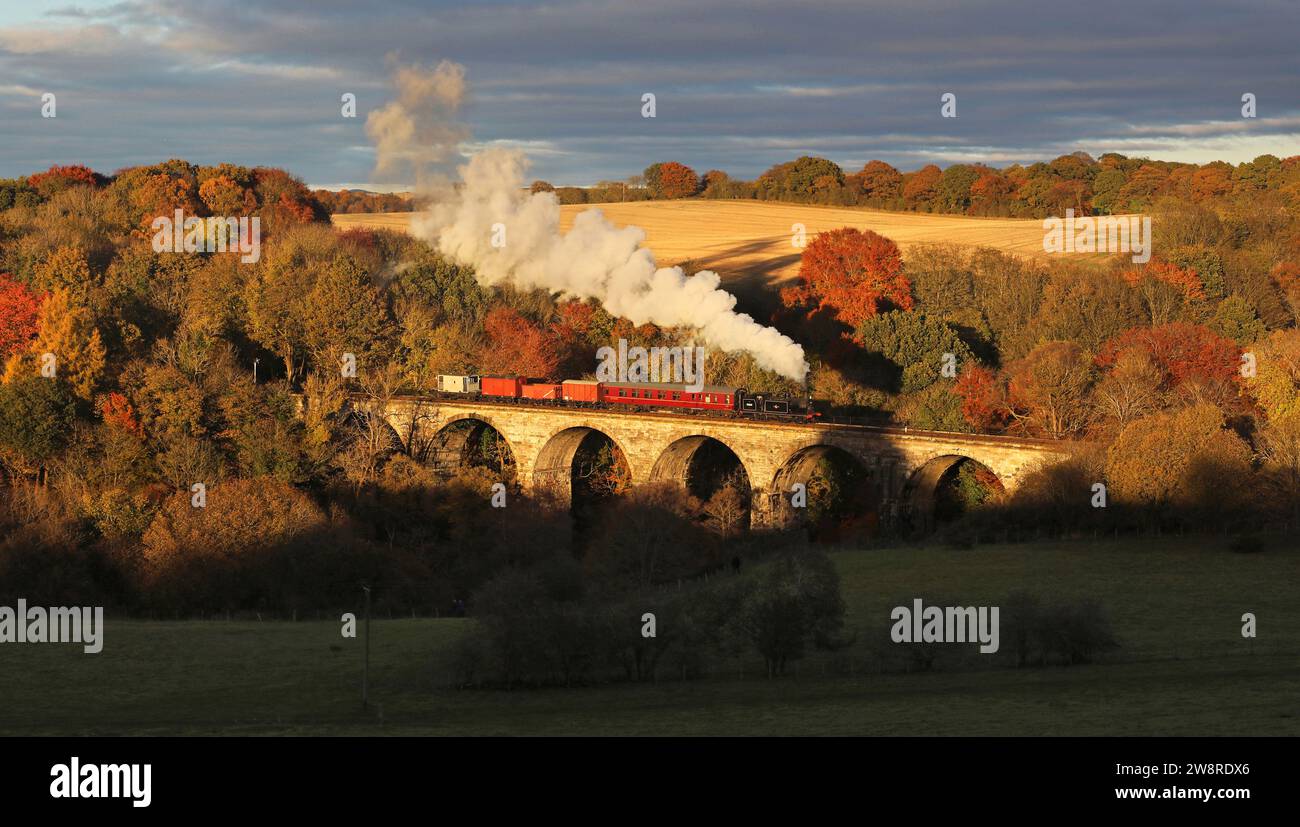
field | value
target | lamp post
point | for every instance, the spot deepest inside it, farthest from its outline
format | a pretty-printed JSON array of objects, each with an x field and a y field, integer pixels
[{"x": 255, "y": 361}]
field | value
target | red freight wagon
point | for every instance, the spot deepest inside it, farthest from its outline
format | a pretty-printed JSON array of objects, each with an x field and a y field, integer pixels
[
  {"x": 507, "y": 386},
  {"x": 666, "y": 395},
  {"x": 581, "y": 390},
  {"x": 541, "y": 390}
]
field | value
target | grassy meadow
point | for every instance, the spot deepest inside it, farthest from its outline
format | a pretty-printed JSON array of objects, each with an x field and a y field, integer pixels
[{"x": 1175, "y": 604}]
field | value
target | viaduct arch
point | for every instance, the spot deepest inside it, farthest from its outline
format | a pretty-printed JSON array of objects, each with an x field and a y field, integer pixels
[{"x": 901, "y": 467}]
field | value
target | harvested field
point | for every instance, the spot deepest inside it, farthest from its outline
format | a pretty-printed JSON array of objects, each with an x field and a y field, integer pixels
[{"x": 749, "y": 242}]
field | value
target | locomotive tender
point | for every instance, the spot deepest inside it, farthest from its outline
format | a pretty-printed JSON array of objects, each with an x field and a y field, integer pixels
[{"x": 631, "y": 395}]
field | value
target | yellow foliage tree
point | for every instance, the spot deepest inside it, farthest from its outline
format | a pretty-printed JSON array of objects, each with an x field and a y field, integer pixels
[
  {"x": 1171, "y": 458},
  {"x": 240, "y": 517},
  {"x": 65, "y": 268},
  {"x": 1276, "y": 383},
  {"x": 67, "y": 330}
]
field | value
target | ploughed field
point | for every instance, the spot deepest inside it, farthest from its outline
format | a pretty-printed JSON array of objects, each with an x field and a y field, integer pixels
[{"x": 1175, "y": 605}]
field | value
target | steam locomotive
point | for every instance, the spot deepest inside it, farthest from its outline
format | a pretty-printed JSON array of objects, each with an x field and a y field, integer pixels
[{"x": 638, "y": 396}]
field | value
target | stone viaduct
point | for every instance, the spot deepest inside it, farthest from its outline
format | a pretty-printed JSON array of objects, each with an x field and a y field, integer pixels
[{"x": 903, "y": 466}]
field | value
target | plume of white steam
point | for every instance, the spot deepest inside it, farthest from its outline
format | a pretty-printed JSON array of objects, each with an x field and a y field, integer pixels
[
  {"x": 594, "y": 259},
  {"x": 418, "y": 133}
]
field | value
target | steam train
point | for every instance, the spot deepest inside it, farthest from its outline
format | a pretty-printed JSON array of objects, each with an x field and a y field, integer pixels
[{"x": 640, "y": 396}]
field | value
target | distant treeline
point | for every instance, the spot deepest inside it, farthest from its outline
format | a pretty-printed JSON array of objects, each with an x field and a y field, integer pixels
[
  {"x": 362, "y": 201},
  {"x": 1107, "y": 185}
]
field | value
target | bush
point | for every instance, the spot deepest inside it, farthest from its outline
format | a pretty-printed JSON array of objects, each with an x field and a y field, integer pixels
[
  {"x": 1064, "y": 633},
  {"x": 797, "y": 602},
  {"x": 1248, "y": 544}
]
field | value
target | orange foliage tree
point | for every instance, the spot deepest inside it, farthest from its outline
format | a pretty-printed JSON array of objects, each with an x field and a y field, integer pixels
[
  {"x": 920, "y": 187},
  {"x": 879, "y": 181},
  {"x": 677, "y": 180},
  {"x": 982, "y": 404},
  {"x": 1182, "y": 351},
  {"x": 161, "y": 194},
  {"x": 517, "y": 346},
  {"x": 19, "y": 309},
  {"x": 851, "y": 273},
  {"x": 224, "y": 197},
  {"x": 1186, "y": 280},
  {"x": 57, "y": 178},
  {"x": 117, "y": 412}
]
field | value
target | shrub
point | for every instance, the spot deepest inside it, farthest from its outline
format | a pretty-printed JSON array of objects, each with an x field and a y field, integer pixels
[{"x": 1248, "y": 544}]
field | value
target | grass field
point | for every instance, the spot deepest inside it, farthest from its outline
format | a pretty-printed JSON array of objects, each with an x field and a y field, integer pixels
[
  {"x": 748, "y": 242},
  {"x": 1175, "y": 604}
]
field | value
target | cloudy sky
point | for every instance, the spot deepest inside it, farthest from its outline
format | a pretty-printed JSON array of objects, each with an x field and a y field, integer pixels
[{"x": 740, "y": 84}]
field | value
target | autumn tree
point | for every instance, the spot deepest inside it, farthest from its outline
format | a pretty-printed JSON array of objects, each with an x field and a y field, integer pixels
[
  {"x": 19, "y": 310},
  {"x": 881, "y": 184},
  {"x": 1162, "y": 459},
  {"x": 345, "y": 313},
  {"x": 727, "y": 509},
  {"x": 223, "y": 196},
  {"x": 1008, "y": 293},
  {"x": 1167, "y": 290},
  {"x": 1211, "y": 181},
  {"x": 1085, "y": 306},
  {"x": 428, "y": 349},
  {"x": 56, "y": 179},
  {"x": 66, "y": 329},
  {"x": 275, "y": 291},
  {"x": 1132, "y": 387},
  {"x": 1142, "y": 188},
  {"x": 851, "y": 274},
  {"x": 160, "y": 193},
  {"x": 449, "y": 290},
  {"x": 117, "y": 412},
  {"x": 982, "y": 397},
  {"x": 1235, "y": 318},
  {"x": 991, "y": 194},
  {"x": 283, "y": 200},
  {"x": 675, "y": 181},
  {"x": 1279, "y": 448},
  {"x": 1048, "y": 388},
  {"x": 920, "y": 187},
  {"x": 517, "y": 346},
  {"x": 65, "y": 268},
  {"x": 191, "y": 550},
  {"x": 1276, "y": 380},
  {"x": 1285, "y": 276},
  {"x": 1190, "y": 357},
  {"x": 714, "y": 182}
]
